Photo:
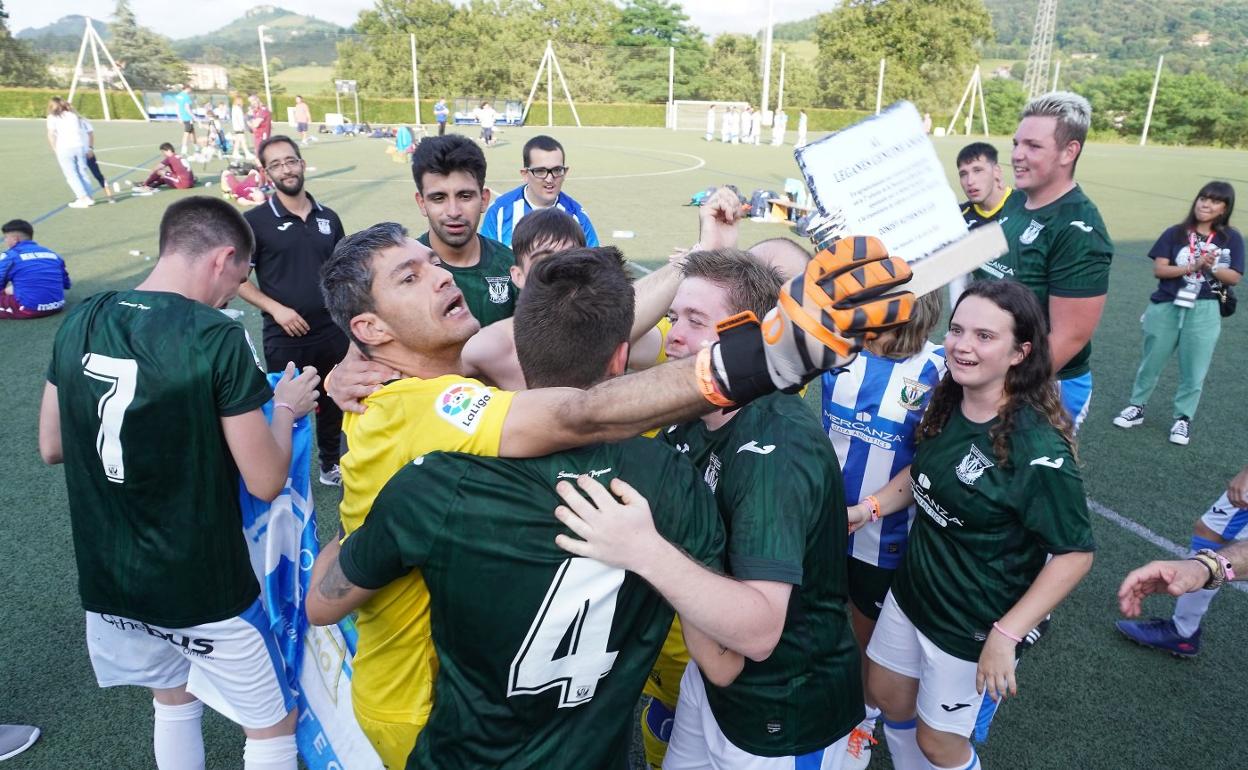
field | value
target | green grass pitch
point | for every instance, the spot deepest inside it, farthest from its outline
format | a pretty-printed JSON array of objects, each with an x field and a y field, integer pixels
[{"x": 1088, "y": 698}]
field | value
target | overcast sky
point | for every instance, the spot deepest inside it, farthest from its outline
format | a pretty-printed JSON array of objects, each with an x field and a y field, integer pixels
[{"x": 712, "y": 16}]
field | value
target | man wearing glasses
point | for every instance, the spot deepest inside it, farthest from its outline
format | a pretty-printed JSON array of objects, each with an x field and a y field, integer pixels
[
  {"x": 295, "y": 235},
  {"x": 543, "y": 175}
]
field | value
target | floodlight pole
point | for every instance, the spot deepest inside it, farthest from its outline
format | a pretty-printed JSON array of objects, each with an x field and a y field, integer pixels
[
  {"x": 264, "y": 64},
  {"x": 82, "y": 52},
  {"x": 1152, "y": 100},
  {"x": 550, "y": 86},
  {"x": 767, "y": 60},
  {"x": 563, "y": 82},
  {"x": 90, "y": 36},
  {"x": 879, "y": 89},
  {"x": 1057, "y": 71},
  {"x": 780, "y": 95},
  {"x": 671, "y": 85},
  {"x": 415, "y": 81}
]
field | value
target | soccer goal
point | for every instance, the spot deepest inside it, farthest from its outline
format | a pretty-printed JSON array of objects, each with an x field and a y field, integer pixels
[{"x": 690, "y": 114}]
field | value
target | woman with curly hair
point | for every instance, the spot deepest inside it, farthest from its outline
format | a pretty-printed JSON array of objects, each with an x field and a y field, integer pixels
[{"x": 998, "y": 493}]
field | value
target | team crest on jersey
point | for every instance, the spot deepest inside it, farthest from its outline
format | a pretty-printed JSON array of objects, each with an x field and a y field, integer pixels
[
  {"x": 973, "y": 466},
  {"x": 711, "y": 476},
  {"x": 323, "y": 226},
  {"x": 500, "y": 289},
  {"x": 461, "y": 405},
  {"x": 912, "y": 392},
  {"x": 1031, "y": 233}
]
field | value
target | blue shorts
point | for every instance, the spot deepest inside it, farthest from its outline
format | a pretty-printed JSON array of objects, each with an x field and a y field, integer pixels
[
  {"x": 1076, "y": 394},
  {"x": 1227, "y": 521}
]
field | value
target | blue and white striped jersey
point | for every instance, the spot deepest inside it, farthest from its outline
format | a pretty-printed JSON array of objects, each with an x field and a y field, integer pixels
[
  {"x": 871, "y": 412},
  {"x": 510, "y": 207}
]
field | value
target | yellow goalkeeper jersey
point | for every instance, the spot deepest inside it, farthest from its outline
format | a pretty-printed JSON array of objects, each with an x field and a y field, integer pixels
[{"x": 395, "y": 662}]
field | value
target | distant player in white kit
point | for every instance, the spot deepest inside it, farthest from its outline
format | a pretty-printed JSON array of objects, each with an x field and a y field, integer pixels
[{"x": 710, "y": 123}]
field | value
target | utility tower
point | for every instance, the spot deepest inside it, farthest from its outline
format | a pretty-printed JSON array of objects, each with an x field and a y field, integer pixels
[{"x": 1040, "y": 57}]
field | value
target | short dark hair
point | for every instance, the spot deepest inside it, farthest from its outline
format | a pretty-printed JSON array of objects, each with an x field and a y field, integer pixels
[
  {"x": 18, "y": 226},
  {"x": 347, "y": 278},
  {"x": 751, "y": 285},
  {"x": 166, "y": 147},
  {"x": 542, "y": 142},
  {"x": 272, "y": 140},
  {"x": 575, "y": 310},
  {"x": 196, "y": 225},
  {"x": 444, "y": 155},
  {"x": 541, "y": 231},
  {"x": 976, "y": 150}
]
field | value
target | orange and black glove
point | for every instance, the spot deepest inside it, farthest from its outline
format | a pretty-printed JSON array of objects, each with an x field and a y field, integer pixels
[{"x": 845, "y": 296}]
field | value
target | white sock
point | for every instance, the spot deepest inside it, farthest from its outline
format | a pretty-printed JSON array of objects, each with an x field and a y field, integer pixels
[
  {"x": 279, "y": 753},
  {"x": 873, "y": 715},
  {"x": 973, "y": 764},
  {"x": 904, "y": 746},
  {"x": 177, "y": 737},
  {"x": 1190, "y": 609}
]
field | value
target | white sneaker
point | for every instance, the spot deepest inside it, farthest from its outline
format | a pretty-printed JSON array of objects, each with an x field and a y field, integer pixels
[
  {"x": 14, "y": 739},
  {"x": 1180, "y": 431},
  {"x": 858, "y": 750},
  {"x": 81, "y": 203},
  {"x": 1130, "y": 417}
]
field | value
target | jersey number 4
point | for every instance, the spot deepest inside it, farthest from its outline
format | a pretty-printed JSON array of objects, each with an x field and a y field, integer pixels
[
  {"x": 121, "y": 375},
  {"x": 566, "y": 646}
]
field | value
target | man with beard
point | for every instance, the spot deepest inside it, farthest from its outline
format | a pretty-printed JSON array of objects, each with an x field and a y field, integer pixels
[
  {"x": 450, "y": 189},
  {"x": 295, "y": 236}
]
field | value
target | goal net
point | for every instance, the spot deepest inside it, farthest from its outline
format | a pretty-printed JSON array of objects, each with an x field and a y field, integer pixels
[{"x": 691, "y": 114}]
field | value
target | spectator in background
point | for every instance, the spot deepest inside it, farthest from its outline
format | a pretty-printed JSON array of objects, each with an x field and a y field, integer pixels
[
  {"x": 303, "y": 116},
  {"x": 440, "y": 114},
  {"x": 710, "y": 123},
  {"x": 801, "y": 128},
  {"x": 487, "y": 117},
  {"x": 171, "y": 171},
  {"x": 260, "y": 121},
  {"x": 67, "y": 140},
  {"x": 779, "y": 122},
  {"x": 238, "y": 128},
  {"x": 34, "y": 278},
  {"x": 543, "y": 174},
  {"x": 295, "y": 236},
  {"x": 1190, "y": 259},
  {"x": 185, "y": 103},
  {"x": 93, "y": 166},
  {"x": 245, "y": 190}
]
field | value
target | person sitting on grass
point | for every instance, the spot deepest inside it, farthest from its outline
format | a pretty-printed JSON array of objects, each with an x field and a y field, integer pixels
[
  {"x": 171, "y": 171},
  {"x": 33, "y": 277}
]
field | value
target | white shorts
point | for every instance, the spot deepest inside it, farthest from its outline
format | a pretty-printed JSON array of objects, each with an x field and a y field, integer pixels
[
  {"x": 698, "y": 744},
  {"x": 1229, "y": 522},
  {"x": 947, "y": 699},
  {"x": 232, "y": 665}
]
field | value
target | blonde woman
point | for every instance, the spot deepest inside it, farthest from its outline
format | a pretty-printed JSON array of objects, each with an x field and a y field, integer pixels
[{"x": 68, "y": 141}]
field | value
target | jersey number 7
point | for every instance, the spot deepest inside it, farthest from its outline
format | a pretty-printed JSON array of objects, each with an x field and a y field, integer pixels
[
  {"x": 566, "y": 646},
  {"x": 121, "y": 374}
]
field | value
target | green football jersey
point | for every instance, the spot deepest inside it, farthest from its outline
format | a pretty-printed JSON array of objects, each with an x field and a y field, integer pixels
[
  {"x": 143, "y": 379},
  {"x": 487, "y": 287},
  {"x": 542, "y": 656},
  {"x": 782, "y": 498},
  {"x": 1059, "y": 250},
  {"x": 983, "y": 530}
]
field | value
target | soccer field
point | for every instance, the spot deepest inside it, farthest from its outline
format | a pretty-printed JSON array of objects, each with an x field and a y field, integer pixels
[{"x": 1088, "y": 698}]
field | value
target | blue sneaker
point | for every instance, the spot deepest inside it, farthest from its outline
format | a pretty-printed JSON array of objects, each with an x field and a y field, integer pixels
[{"x": 1160, "y": 634}]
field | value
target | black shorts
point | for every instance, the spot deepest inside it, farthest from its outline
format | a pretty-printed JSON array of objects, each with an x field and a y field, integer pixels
[
  {"x": 868, "y": 585},
  {"x": 188, "y": 126}
]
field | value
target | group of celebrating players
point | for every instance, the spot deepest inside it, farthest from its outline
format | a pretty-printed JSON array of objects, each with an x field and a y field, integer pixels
[{"x": 616, "y": 489}]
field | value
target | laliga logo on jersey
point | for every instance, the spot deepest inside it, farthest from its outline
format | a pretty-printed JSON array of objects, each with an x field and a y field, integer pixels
[
  {"x": 973, "y": 466},
  {"x": 1031, "y": 233},
  {"x": 461, "y": 405},
  {"x": 500, "y": 289},
  {"x": 912, "y": 392}
]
